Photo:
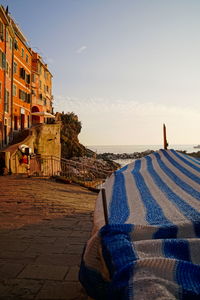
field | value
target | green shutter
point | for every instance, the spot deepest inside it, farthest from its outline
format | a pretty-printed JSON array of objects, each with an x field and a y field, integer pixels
[{"x": 3, "y": 60}]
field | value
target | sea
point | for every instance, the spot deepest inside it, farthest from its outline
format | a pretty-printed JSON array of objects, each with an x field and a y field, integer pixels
[{"x": 137, "y": 148}]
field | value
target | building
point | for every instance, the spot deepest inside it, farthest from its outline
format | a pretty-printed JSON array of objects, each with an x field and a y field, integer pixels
[
  {"x": 2, "y": 73},
  {"x": 6, "y": 77},
  {"x": 41, "y": 88},
  {"x": 22, "y": 59},
  {"x": 25, "y": 82}
]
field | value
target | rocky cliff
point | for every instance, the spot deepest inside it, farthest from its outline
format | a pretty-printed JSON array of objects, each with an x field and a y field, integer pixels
[
  {"x": 70, "y": 129},
  {"x": 72, "y": 149}
]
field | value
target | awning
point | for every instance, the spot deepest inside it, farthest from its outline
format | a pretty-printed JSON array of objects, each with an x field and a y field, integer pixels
[{"x": 43, "y": 114}]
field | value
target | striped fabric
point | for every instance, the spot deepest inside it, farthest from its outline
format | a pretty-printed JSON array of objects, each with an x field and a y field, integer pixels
[{"x": 151, "y": 247}]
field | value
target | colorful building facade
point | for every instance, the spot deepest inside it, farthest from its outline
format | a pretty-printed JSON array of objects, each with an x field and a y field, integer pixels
[
  {"x": 25, "y": 81},
  {"x": 21, "y": 82},
  {"x": 41, "y": 88},
  {"x": 2, "y": 74},
  {"x": 6, "y": 52}
]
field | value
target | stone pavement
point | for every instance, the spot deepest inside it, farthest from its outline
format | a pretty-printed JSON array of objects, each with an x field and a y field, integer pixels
[{"x": 43, "y": 228}]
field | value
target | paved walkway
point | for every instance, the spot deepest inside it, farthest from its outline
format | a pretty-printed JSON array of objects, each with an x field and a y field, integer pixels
[{"x": 43, "y": 228}]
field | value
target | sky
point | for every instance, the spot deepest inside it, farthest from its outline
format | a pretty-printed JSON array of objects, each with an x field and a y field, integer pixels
[{"x": 124, "y": 67}]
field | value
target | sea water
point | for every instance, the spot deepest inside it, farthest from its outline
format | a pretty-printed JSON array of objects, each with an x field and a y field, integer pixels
[
  {"x": 139, "y": 148},
  {"x": 119, "y": 149}
]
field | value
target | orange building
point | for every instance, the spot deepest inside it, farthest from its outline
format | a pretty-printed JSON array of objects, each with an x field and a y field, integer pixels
[
  {"x": 41, "y": 88},
  {"x": 25, "y": 82},
  {"x": 21, "y": 81},
  {"x": 2, "y": 74},
  {"x": 6, "y": 52}
]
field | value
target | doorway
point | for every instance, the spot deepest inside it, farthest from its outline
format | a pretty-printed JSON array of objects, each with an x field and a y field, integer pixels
[
  {"x": 15, "y": 123},
  {"x": 5, "y": 135},
  {"x": 22, "y": 121}
]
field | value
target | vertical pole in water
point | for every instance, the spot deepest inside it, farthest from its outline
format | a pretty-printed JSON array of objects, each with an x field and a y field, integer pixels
[
  {"x": 105, "y": 209},
  {"x": 165, "y": 137}
]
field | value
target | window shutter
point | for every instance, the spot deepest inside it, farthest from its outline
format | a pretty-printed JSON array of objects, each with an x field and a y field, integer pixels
[
  {"x": 1, "y": 31},
  {"x": 21, "y": 72},
  {"x": 8, "y": 96},
  {"x": 6, "y": 101},
  {"x": 15, "y": 45},
  {"x": 3, "y": 60}
]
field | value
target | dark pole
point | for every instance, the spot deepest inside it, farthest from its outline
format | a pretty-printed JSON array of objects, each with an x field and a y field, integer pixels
[
  {"x": 105, "y": 206},
  {"x": 165, "y": 137}
]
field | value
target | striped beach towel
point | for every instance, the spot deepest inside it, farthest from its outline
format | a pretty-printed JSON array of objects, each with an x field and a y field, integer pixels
[{"x": 151, "y": 248}]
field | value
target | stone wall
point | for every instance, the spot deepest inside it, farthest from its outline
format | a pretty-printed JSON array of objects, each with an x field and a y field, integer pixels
[
  {"x": 43, "y": 139},
  {"x": 47, "y": 140}
]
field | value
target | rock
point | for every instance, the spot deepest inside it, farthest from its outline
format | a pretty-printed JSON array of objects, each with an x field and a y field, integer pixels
[{"x": 114, "y": 156}]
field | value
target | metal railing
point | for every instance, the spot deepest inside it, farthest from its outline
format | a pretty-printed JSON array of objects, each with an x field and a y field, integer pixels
[{"x": 80, "y": 172}]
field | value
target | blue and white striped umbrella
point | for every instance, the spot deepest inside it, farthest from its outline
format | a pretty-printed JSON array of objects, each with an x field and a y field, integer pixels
[{"x": 151, "y": 247}]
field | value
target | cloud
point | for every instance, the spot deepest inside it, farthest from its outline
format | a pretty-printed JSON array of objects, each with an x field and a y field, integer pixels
[
  {"x": 81, "y": 49},
  {"x": 120, "y": 121}
]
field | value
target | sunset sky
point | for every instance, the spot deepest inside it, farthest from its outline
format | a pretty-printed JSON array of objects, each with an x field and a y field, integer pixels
[{"x": 124, "y": 67}]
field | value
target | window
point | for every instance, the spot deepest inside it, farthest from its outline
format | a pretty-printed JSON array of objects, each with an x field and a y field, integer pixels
[
  {"x": 22, "y": 73},
  {"x": 2, "y": 60},
  {"x": 10, "y": 43},
  {"x": 44, "y": 88},
  {"x": 40, "y": 84},
  {"x": 22, "y": 52},
  {"x": 1, "y": 31},
  {"x": 16, "y": 45},
  {"x": 47, "y": 88},
  {"x": 14, "y": 90},
  {"x": 15, "y": 67},
  {"x": 6, "y": 101},
  {"x": 7, "y": 67},
  {"x": 9, "y": 71},
  {"x": 15, "y": 123},
  {"x": 28, "y": 98},
  {"x": 33, "y": 77},
  {"x": 22, "y": 95},
  {"x": 27, "y": 58},
  {"x": 28, "y": 78}
]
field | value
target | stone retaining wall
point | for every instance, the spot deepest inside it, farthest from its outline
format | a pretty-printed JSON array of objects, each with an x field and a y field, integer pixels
[{"x": 43, "y": 140}]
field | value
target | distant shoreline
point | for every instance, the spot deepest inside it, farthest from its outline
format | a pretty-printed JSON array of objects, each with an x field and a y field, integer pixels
[
  {"x": 136, "y": 155},
  {"x": 132, "y": 149}
]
